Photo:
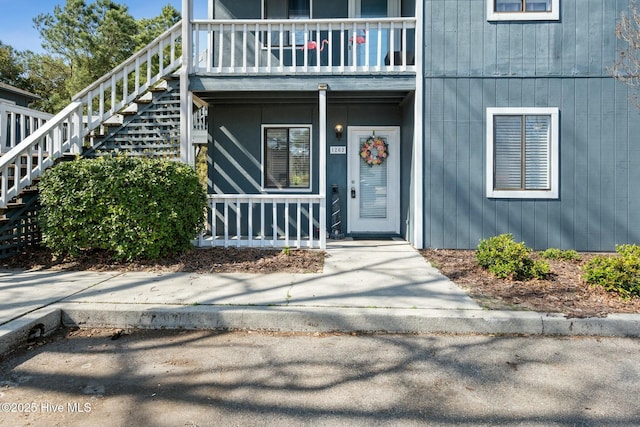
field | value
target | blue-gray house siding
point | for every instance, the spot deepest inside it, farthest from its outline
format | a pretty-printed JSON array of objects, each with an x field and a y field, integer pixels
[{"x": 472, "y": 64}]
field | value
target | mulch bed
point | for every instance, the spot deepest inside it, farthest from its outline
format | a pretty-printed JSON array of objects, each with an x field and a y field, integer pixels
[
  {"x": 208, "y": 260},
  {"x": 563, "y": 291}
]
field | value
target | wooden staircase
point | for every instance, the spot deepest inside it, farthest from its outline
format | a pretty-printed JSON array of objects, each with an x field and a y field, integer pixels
[
  {"x": 149, "y": 127},
  {"x": 135, "y": 108}
]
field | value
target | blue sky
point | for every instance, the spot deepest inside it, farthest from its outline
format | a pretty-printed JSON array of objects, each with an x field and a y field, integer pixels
[{"x": 16, "y": 18}]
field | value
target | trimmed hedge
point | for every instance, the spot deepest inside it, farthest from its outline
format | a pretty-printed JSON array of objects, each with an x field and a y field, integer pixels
[{"x": 133, "y": 207}]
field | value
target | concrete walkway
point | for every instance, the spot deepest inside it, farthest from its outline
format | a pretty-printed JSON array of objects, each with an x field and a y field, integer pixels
[{"x": 365, "y": 286}]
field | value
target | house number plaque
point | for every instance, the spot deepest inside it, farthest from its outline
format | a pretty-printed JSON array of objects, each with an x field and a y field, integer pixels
[{"x": 338, "y": 149}]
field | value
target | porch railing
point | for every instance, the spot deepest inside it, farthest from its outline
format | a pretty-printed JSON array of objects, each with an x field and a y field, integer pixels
[
  {"x": 363, "y": 45},
  {"x": 17, "y": 123},
  {"x": 265, "y": 220}
]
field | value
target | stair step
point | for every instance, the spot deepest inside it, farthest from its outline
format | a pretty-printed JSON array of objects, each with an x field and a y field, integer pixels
[
  {"x": 15, "y": 205},
  {"x": 160, "y": 87},
  {"x": 115, "y": 120},
  {"x": 147, "y": 98},
  {"x": 130, "y": 110}
]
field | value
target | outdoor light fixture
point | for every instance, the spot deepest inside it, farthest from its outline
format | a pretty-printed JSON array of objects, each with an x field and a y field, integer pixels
[{"x": 338, "y": 129}]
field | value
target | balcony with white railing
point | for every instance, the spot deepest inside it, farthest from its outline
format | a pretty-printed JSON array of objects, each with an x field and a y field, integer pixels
[{"x": 304, "y": 46}]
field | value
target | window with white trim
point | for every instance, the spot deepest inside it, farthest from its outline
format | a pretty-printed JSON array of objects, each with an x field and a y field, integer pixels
[
  {"x": 522, "y": 153},
  {"x": 286, "y": 157},
  {"x": 523, "y": 10}
]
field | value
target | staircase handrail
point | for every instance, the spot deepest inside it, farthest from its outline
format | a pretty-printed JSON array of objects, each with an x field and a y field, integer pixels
[
  {"x": 130, "y": 90},
  {"x": 58, "y": 136}
]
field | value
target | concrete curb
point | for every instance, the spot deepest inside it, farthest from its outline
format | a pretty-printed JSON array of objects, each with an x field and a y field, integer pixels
[
  {"x": 42, "y": 322},
  {"x": 327, "y": 319},
  {"x": 311, "y": 319}
]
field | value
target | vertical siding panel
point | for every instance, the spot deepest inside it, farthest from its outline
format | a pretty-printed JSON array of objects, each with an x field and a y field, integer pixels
[
  {"x": 436, "y": 46},
  {"x": 581, "y": 177},
  {"x": 568, "y": 150},
  {"x": 489, "y": 207},
  {"x": 609, "y": 17},
  {"x": 554, "y": 211},
  {"x": 436, "y": 165},
  {"x": 542, "y": 49},
  {"x": 594, "y": 166},
  {"x": 451, "y": 37},
  {"x": 490, "y": 52},
  {"x": 528, "y": 46},
  {"x": 477, "y": 28},
  {"x": 556, "y": 33},
  {"x": 621, "y": 120},
  {"x": 464, "y": 42},
  {"x": 568, "y": 38},
  {"x": 539, "y": 221},
  {"x": 463, "y": 172},
  {"x": 450, "y": 180},
  {"x": 634, "y": 176},
  {"x": 595, "y": 37},
  {"x": 476, "y": 162},
  {"x": 607, "y": 165},
  {"x": 516, "y": 53},
  {"x": 582, "y": 38},
  {"x": 503, "y": 55}
]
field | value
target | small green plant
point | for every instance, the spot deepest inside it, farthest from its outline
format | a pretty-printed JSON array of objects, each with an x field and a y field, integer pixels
[
  {"x": 505, "y": 258},
  {"x": 286, "y": 251},
  {"x": 620, "y": 274},
  {"x": 554, "y": 253}
]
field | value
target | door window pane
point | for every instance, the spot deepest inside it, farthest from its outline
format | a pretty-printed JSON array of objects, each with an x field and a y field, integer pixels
[{"x": 373, "y": 188}]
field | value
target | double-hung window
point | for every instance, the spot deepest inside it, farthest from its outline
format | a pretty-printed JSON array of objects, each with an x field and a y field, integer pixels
[
  {"x": 286, "y": 157},
  {"x": 522, "y": 153},
  {"x": 523, "y": 10}
]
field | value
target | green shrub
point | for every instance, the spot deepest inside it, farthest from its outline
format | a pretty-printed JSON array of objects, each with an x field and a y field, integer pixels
[
  {"x": 619, "y": 274},
  {"x": 135, "y": 208},
  {"x": 554, "y": 253},
  {"x": 506, "y": 258}
]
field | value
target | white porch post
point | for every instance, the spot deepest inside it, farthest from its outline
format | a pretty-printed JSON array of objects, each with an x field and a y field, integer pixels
[
  {"x": 3, "y": 127},
  {"x": 322, "y": 164},
  {"x": 418, "y": 133},
  {"x": 186, "y": 103}
]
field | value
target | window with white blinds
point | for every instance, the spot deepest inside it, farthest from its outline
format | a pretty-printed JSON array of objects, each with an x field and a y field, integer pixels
[
  {"x": 523, "y": 10},
  {"x": 287, "y": 157},
  {"x": 522, "y": 152}
]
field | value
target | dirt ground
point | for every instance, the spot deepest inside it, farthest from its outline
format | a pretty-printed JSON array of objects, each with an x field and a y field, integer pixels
[{"x": 563, "y": 291}]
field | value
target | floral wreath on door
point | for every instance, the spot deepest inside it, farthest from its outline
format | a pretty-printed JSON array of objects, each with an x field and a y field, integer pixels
[{"x": 374, "y": 150}]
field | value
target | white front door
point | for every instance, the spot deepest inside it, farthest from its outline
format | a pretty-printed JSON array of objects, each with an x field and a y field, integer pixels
[{"x": 373, "y": 180}]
